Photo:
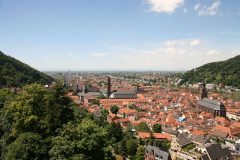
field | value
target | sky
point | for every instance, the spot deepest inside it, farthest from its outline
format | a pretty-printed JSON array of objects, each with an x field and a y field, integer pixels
[{"x": 164, "y": 35}]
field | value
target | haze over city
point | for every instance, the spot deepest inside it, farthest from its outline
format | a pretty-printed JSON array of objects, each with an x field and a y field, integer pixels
[{"x": 119, "y": 34}]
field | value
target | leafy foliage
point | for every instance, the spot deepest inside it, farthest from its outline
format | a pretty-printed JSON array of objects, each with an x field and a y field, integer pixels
[
  {"x": 189, "y": 147},
  {"x": 14, "y": 73},
  {"x": 39, "y": 123},
  {"x": 162, "y": 143},
  {"x": 114, "y": 109},
  {"x": 115, "y": 133},
  {"x": 27, "y": 145},
  {"x": 143, "y": 127},
  {"x": 45, "y": 124},
  {"x": 34, "y": 113},
  {"x": 140, "y": 153},
  {"x": 86, "y": 139},
  {"x": 226, "y": 72},
  {"x": 5, "y": 95},
  {"x": 131, "y": 146},
  {"x": 157, "y": 128}
]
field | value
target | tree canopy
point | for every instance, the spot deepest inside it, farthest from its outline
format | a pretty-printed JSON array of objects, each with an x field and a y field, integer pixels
[
  {"x": 40, "y": 123},
  {"x": 157, "y": 128},
  {"x": 14, "y": 73},
  {"x": 225, "y": 72},
  {"x": 114, "y": 109},
  {"x": 86, "y": 139},
  {"x": 143, "y": 127}
]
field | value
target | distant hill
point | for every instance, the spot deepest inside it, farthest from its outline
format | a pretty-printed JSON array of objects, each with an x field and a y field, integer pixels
[
  {"x": 226, "y": 72},
  {"x": 14, "y": 73}
]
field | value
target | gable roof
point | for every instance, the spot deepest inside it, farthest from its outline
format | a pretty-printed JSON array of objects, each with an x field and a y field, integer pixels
[
  {"x": 215, "y": 151},
  {"x": 157, "y": 152},
  {"x": 213, "y": 104},
  {"x": 183, "y": 140}
]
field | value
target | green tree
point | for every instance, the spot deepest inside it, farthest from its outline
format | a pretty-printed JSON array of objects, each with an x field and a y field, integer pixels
[
  {"x": 157, "y": 128},
  {"x": 5, "y": 95},
  {"x": 114, "y": 109},
  {"x": 131, "y": 146},
  {"x": 86, "y": 139},
  {"x": 143, "y": 127},
  {"x": 14, "y": 73},
  {"x": 27, "y": 146},
  {"x": 115, "y": 133},
  {"x": 140, "y": 155},
  {"x": 166, "y": 144},
  {"x": 37, "y": 111}
]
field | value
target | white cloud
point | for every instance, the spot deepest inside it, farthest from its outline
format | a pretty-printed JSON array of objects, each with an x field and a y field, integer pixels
[
  {"x": 170, "y": 43},
  {"x": 169, "y": 55},
  {"x": 195, "y": 42},
  {"x": 197, "y": 6},
  {"x": 176, "y": 54},
  {"x": 185, "y": 10},
  {"x": 182, "y": 42},
  {"x": 167, "y": 6},
  {"x": 99, "y": 54},
  {"x": 213, "y": 52},
  {"x": 211, "y": 10}
]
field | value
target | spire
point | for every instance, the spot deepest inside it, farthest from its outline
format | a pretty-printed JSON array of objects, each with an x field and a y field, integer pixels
[
  {"x": 203, "y": 90},
  {"x": 109, "y": 87}
]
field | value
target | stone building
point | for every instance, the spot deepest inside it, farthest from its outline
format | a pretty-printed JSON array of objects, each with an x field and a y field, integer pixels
[{"x": 216, "y": 108}]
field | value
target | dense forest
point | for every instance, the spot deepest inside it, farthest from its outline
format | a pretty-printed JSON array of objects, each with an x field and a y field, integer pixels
[
  {"x": 14, "y": 73},
  {"x": 225, "y": 72},
  {"x": 39, "y": 123}
]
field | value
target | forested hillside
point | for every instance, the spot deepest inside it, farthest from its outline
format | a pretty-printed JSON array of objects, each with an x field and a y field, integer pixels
[
  {"x": 226, "y": 72},
  {"x": 14, "y": 73},
  {"x": 44, "y": 124}
]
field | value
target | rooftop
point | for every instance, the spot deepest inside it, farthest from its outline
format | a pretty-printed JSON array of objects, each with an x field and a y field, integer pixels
[{"x": 213, "y": 104}]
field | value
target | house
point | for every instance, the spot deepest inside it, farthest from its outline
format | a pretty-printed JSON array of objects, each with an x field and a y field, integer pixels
[
  {"x": 183, "y": 140},
  {"x": 170, "y": 131},
  {"x": 156, "y": 153},
  {"x": 214, "y": 107},
  {"x": 216, "y": 152}
]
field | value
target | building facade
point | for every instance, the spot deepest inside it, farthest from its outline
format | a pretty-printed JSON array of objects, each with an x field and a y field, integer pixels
[{"x": 214, "y": 107}]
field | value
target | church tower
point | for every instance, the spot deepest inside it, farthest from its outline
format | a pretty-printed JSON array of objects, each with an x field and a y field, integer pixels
[
  {"x": 204, "y": 93},
  {"x": 108, "y": 87}
]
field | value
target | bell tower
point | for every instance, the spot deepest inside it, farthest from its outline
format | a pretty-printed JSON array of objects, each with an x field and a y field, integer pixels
[
  {"x": 108, "y": 87},
  {"x": 204, "y": 93}
]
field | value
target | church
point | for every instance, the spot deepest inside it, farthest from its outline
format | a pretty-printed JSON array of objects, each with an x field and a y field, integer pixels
[{"x": 214, "y": 107}]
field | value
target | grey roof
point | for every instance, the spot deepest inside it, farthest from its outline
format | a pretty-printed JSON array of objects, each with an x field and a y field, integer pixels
[
  {"x": 205, "y": 157},
  {"x": 199, "y": 139},
  {"x": 124, "y": 94},
  {"x": 157, "y": 152},
  {"x": 90, "y": 94},
  {"x": 170, "y": 130},
  {"x": 183, "y": 140},
  {"x": 227, "y": 153},
  {"x": 213, "y": 104},
  {"x": 215, "y": 151}
]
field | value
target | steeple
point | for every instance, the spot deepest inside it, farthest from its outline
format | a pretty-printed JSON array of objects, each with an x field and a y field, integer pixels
[
  {"x": 108, "y": 87},
  {"x": 204, "y": 93}
]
